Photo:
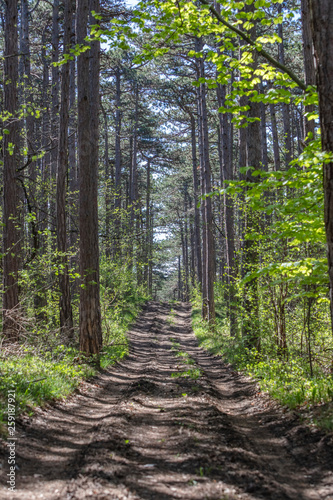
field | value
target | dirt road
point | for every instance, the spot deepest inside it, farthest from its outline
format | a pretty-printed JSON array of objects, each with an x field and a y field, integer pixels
[{"x": 141, "y": 431}]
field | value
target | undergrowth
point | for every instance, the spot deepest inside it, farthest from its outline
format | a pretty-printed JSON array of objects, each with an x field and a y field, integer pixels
[
  {"x": 43, "y": 367},
  {"x": 286, "y": 380}
]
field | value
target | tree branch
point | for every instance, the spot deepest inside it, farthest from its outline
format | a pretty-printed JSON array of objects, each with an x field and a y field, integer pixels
[{"x": 263, "y": 52}]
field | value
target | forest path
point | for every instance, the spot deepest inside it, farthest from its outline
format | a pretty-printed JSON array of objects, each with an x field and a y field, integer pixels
[{"x": 137, "y": 432}]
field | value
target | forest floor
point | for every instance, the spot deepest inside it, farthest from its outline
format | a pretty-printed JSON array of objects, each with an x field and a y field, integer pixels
[{"x": 141, "y": 431}]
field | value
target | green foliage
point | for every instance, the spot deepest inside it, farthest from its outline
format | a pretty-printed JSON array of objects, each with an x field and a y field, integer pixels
[
  {"x": 60, "y": 373},
  {"x": 292, "y": 202},
  {"x": 287, "y": 379},
  {"x": 121, "y": 300}
]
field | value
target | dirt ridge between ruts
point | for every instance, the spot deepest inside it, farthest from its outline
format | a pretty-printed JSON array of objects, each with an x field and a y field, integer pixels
[{"x": 142, "y": 431}]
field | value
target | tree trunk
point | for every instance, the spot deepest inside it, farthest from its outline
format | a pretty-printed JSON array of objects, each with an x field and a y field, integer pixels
[
  {"x": 197, "y": 238},
  {"x": 309, "y": 63},
  {"x": 322, "y": 32},
  {"x": 226, "y": 173},
  {"x": 208, "y": 274},
  {"x": 66, "y": 317},
  {"x": 275, "y": 136},
  {"x": 285, "y": 107},
  {"x": 54, "y": 108},
  {"x": 88, "y": 96},
  {"x": 251, "y": 255},
  {"x": 11, "y": 249},
  {"x": 117, "y": 163}
]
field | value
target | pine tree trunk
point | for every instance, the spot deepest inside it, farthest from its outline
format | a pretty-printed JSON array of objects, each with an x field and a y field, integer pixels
[
  {"x": 197, "y": 238},
  {"x": 73, "y": 174},
  {"x": 322, "y": 32},
  {"x": 275, "y": 136},
  {"x": 118, "y": 163},
  {"x": 208, "y": 274},
  {"x": 11, "y": 247},
  {"x": 66, "y": 317},
  {"x": 54, "y": 108},
  {"x": 226, "y": 173},
  {"x": 88, "y": 100},
  {"x": 309, "y": 62}
]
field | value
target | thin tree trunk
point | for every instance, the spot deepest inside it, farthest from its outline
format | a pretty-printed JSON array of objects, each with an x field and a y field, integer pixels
[
  {"x": 285, "y": 107},
  {"x": 275, "y": 136},
  {"x": 197, "y": 238},
  {"x": 117, "y": 162},
  {"x": 66, "y": 317},
  {"x": 54, "y": 108},
  {"x": 309, "y": 63}
]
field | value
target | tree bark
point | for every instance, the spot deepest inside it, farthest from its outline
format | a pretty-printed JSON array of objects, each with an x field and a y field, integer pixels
[
  {"x": 322, "y": 32},
  {"x": 285, "y": 107},
  {"x": 66, "y": 317},
  {"x": 54, "y": 107},
  {"x": 117, "y": 245},
  {"x": 309, "y": 63},
  {"x": 88, "y": 95},
  {"x": 275, "y": 136},
  {"x": 197, "y": 238},
  {"x": 208, "y": 270},
  {"x": 11, "y": 156}
]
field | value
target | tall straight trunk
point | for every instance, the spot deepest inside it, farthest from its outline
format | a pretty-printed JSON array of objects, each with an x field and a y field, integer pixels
[
  {"x": 147, "y": 244},
  {"x": 285, "y": 107},
  {"x": 134, "y": 172},
  {"x": 28, "y": 94},
  {"x": 54, "y": 107},
  {"x": 192, "y": 244},
  {"x": 275, "y": 137},
  {"x": 11, "y": 249},
  {"x": 263, "y": 127},
  {"x": 185, "y": 252},
  {"x": 208, "y": 275},
  {"x": 223, "y": 258},
  {"x": 117, "y": 162},
  {"x": 322, "y": 32},
  {"x": 73, "y": 170},
  {"x": 226, "y": 173},
  {"x": 197, "y": 237},
  {"x": 88, "y": 100},
  {"x": 309, "y": 63},
  {"x": 66, "y": 317},
  {"x": 179, "y": 280},
  {"x": 107, "y": 185},
  {"x": 40, "y": 298},
  {"x": 150, "y": 253},
  {"x": 251, "y": 253}
]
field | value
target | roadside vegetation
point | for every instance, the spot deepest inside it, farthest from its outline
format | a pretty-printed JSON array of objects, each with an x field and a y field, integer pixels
[
  {"x": 46, "y": 366},
  {"x": 287, "y": 378}
]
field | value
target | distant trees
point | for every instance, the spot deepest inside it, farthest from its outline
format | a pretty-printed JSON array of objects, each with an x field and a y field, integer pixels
[{"x": 129, "y": 165}]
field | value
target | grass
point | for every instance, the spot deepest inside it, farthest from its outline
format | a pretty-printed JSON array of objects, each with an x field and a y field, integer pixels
[
  {"x": 287, "y": 381},
  {"x": 193, "y": 371}
]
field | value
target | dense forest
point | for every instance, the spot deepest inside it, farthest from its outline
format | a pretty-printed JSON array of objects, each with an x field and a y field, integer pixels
[{"x": 170, "y": 151}]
